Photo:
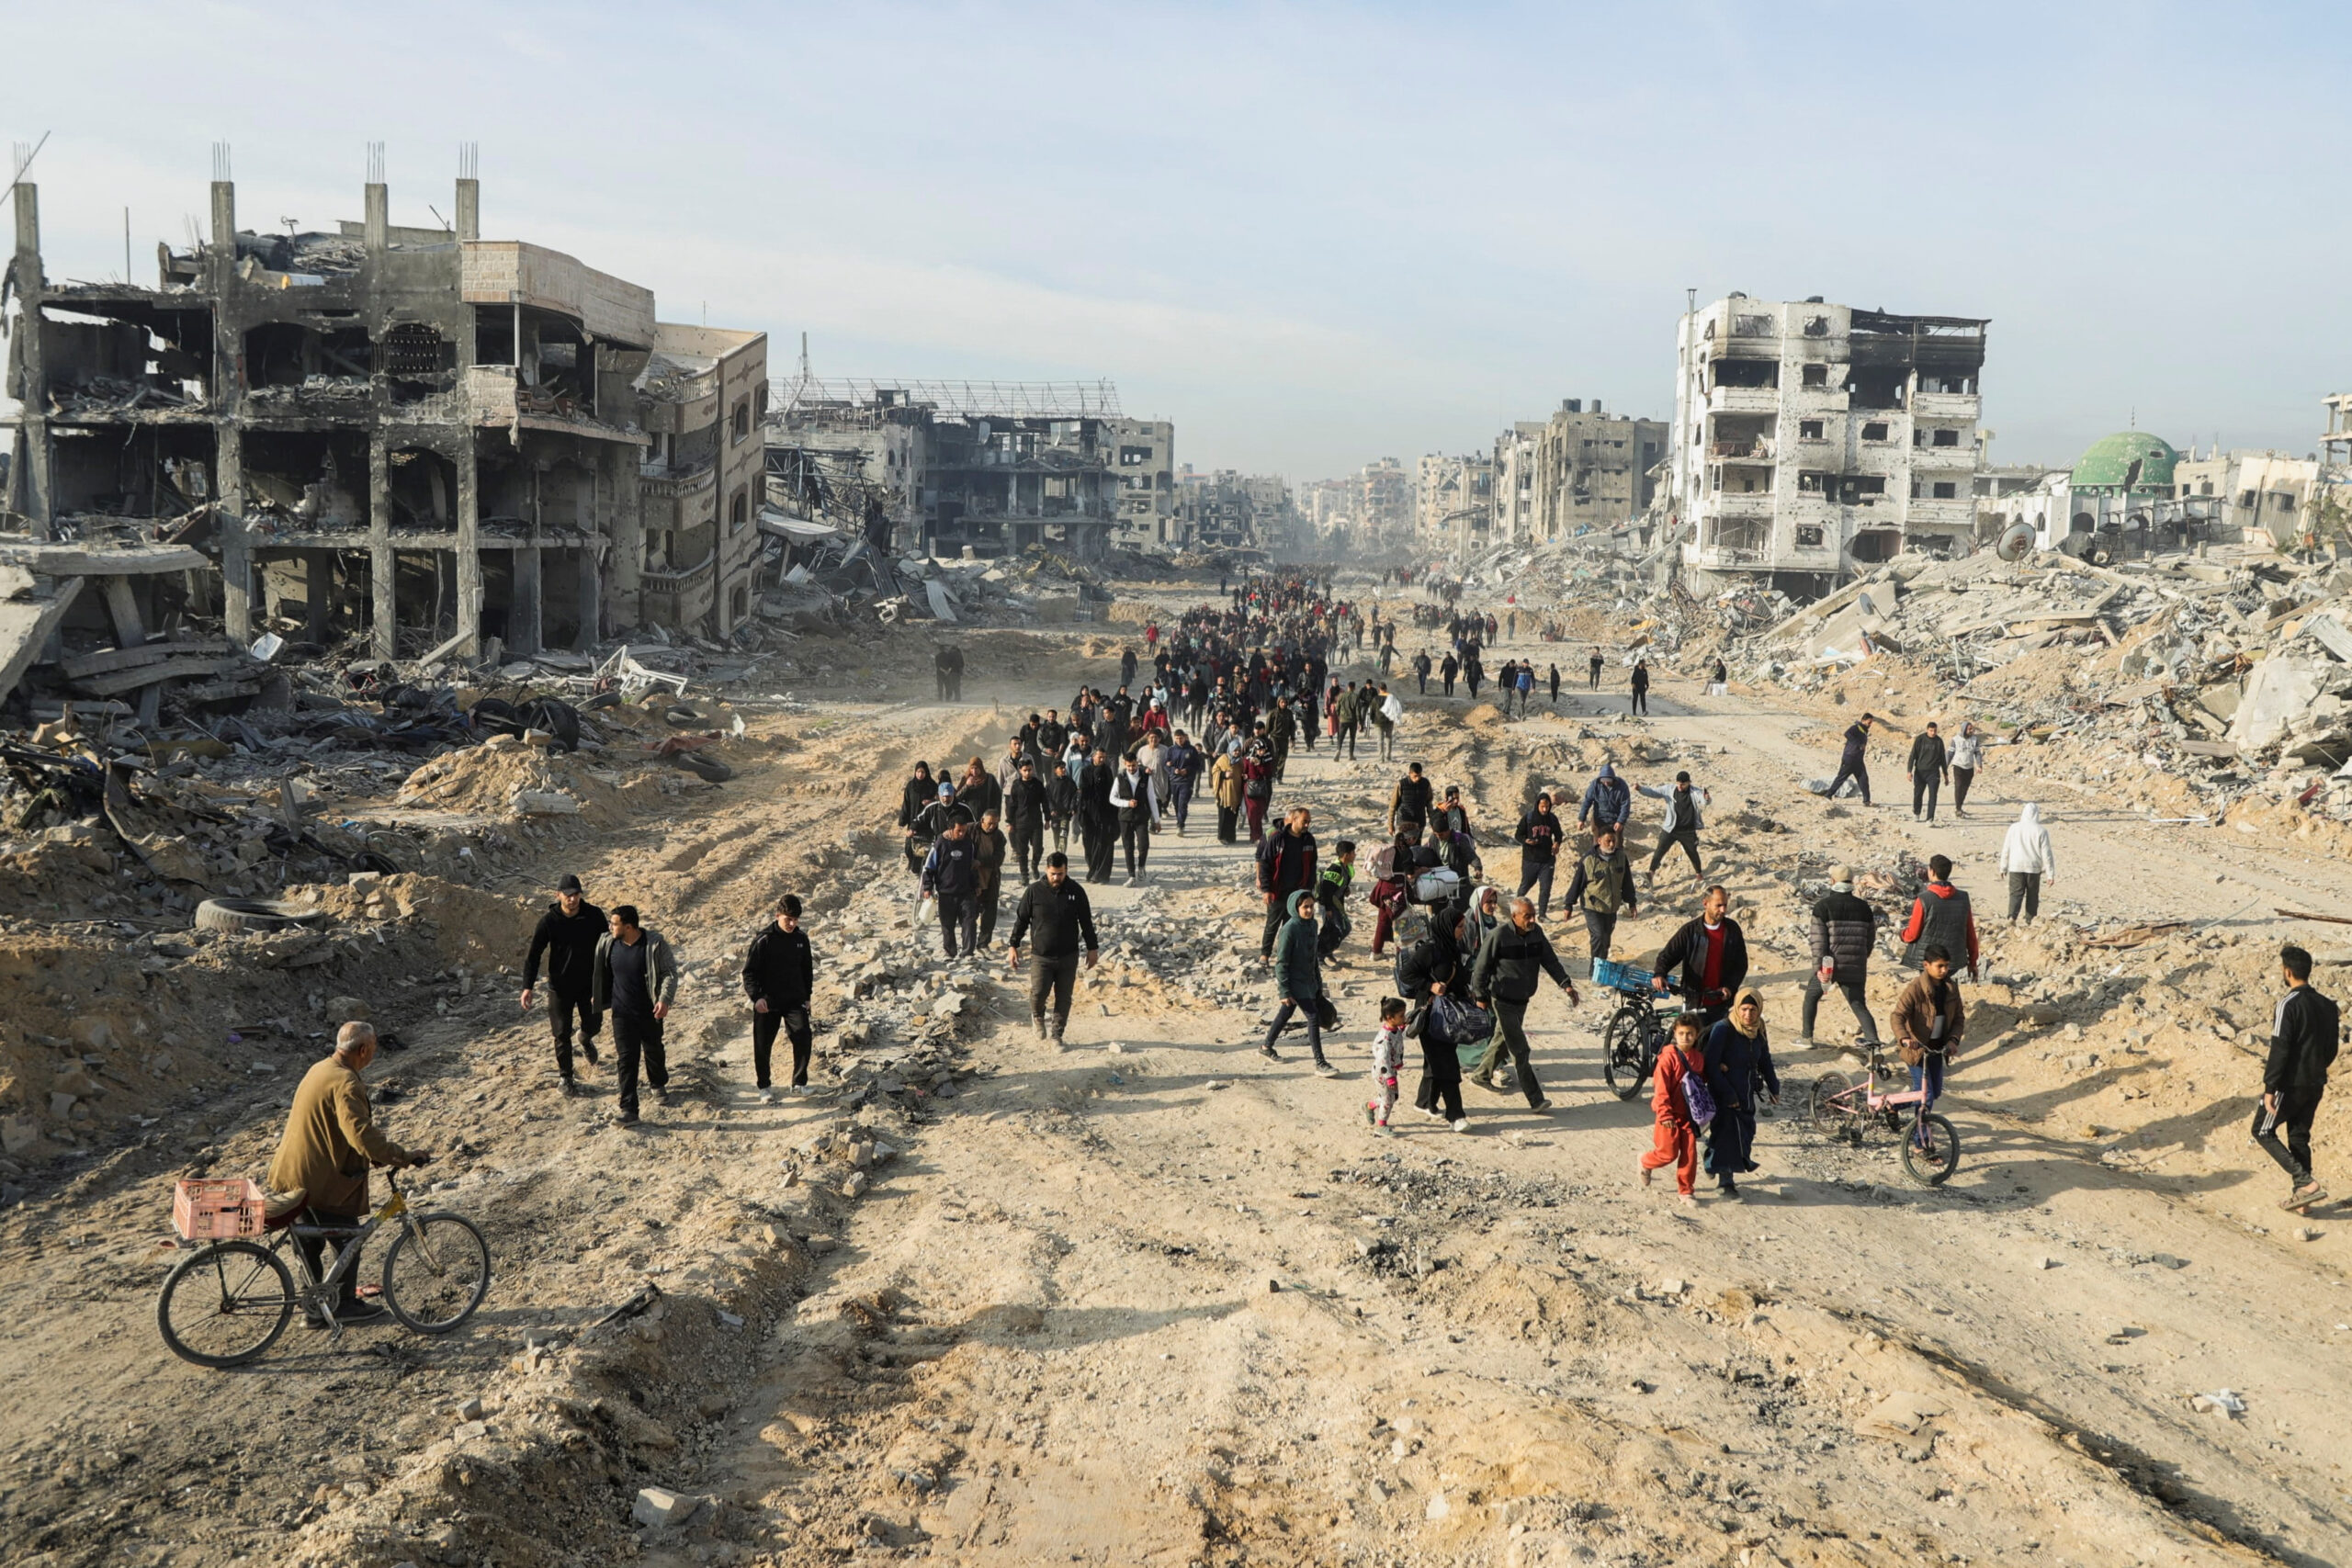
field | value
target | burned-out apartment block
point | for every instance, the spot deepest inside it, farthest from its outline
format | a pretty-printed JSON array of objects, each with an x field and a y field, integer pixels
[
  {"x": 939, "y": 467},
  {"x": 1812, "y": 439},
  {"x": 417, "y": 435}
]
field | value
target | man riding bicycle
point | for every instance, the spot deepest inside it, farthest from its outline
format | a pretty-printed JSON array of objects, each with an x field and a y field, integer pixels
[{"x": 330, "y": 1144}]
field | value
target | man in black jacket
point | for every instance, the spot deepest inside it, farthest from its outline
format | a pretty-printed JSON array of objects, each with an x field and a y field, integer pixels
[
  {"x": 780, "y": 975},
  {"x": 1056, "y": 909},
  {"x": 1711, "y": 952},
  {"x": 1061, "y": 805},
  {"x": 1538, "y": 836},
  {"x": 1512, "y": 961},
  {"x": 1024, "y": 819},
  {"x": 1850, "y": 762},
  {"x": 567, "y": 935},
  {"x": 952, "y": 875},
  {"x": 1410, "y": 802},
  {"x": 1285, "y": 865},
  {"x": 2302, "y": 1046},
  {"x": 1845, "y": 930},
  {"x": 1929, "y": 767}
]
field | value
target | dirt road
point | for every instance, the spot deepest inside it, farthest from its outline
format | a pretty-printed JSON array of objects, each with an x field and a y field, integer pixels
[{"x": 1156, "y": 1300}]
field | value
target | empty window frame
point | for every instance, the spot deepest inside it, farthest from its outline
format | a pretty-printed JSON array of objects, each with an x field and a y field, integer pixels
[
  {"x": 1874, "y": 431},
  {"x": 1808, "y": 430},
  {"x": 1817, "y": 376}
]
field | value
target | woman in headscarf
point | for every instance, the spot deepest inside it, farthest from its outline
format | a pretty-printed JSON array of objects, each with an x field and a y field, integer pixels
[
  {"x": 2027, "y": 857},
  {"x": 1480, "y": 917},
  {"x": 1226, "y": 781},
  {"x": 1427, "y": 966},
  {"x": 1739, "y": 1061},
  {"x": 1391, "y": 888}
]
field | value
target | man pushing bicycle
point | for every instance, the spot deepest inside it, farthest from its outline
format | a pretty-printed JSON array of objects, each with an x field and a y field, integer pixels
[{"x": 331, "y": 1141}]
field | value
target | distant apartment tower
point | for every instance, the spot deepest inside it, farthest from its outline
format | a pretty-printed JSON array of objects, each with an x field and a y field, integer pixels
[
  {"x": 1512, "y": 480},
  {"x": 1591, "y": 470},
  {"x": 1454, "y": 501},
  {"x": 1812, "y": 439},
  {"x": 1143, "y": 453}
]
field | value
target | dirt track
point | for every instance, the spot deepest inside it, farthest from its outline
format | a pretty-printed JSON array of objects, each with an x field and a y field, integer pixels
[{"x": 1100, "y": 1310}]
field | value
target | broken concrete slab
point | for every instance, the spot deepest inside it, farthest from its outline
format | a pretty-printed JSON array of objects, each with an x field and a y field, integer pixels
[
  {"x": 108, "y": 560},
  {"x": 2278, "y": 691},
  {"x": 25, "y": 626}
]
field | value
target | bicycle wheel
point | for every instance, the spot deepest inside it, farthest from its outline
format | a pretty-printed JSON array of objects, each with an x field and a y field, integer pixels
[
  {"x": 436, "y": 1273},
  {"x": 1620, "y": 1054},
  {"x": 226, "y": 1304},
  {"x": 1823, "y": 1107},
  {"x": 1931, "y": 1151}
]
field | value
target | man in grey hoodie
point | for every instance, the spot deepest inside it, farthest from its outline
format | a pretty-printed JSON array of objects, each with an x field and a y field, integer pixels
[{"x": 633, "y": 981}]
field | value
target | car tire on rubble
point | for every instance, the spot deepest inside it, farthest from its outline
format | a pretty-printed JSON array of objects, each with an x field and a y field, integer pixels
[
  {"x": 233, "y": 915},
  {"x": 708, "y": 768}
]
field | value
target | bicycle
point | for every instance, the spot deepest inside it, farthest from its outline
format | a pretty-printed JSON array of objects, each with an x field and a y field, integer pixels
[
  {"x": 1636, "y": 1031},
  {"x": 228, "y": 1302},
  {"x": 1931, "y": 1143}
]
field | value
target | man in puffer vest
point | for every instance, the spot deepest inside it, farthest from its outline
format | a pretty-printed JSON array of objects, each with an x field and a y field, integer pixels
[
  {"x": 1941, "y": 918},
  {"x": 1845, "y": 929}
]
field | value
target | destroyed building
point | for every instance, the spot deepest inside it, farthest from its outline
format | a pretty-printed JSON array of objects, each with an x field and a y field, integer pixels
[
  {"x": 1227, "y": 510},
  {"x": 1811, "y": 440},
  {"x": 934, "y": 468},
  {"x": 419, "y": 434},
  {"x": 1454, "y": 502},
  {"x": 1591, "y": 469}
]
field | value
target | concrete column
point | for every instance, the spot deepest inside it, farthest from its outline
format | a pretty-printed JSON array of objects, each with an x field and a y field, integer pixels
[
  {"x": 383, "y": 571},
  {"x": 228, "y": 407},
  {"x": 379, "y": 217},
  {"x": 469, "y": 209},
  {"x": 469, "y": 545},
  {"x": 526, "y": 621},
  {"x": 318, "y": 593},
  {"x": 236, "y": 545},
  {"x": 592, "y": 597},
  {"x": 30, "y": 477}
]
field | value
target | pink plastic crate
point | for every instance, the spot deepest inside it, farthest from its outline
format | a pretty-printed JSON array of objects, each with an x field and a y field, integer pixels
[{"x": 214, "y": 1210}]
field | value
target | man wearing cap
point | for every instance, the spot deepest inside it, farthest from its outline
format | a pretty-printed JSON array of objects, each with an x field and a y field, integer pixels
[
  {"x": 1845, "y": 929},
  {"x": 780, "y": 975},
  {"x": 567, "y": 936}
]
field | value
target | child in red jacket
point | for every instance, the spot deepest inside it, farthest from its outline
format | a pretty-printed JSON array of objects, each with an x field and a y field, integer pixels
[{"x": 1681, "y": 1071}]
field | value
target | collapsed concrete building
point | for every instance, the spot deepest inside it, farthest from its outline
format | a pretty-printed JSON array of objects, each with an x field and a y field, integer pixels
[
  {"x": 417, "y": 434},
  {"x": 934, "y": 468},
  {"x": 1811, "y": 440}
]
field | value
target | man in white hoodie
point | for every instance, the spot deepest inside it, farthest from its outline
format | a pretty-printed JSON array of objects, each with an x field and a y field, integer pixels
[{"x": 2026, "y": 856}]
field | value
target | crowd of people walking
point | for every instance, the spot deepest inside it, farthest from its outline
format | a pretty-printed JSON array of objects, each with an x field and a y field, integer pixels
[{"x": 1215, "y": 707}]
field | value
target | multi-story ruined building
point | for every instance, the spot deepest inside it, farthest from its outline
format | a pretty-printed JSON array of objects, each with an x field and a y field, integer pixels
[
  {"x": 1454, "y": 502},
  {"x": 419, "y": 433},
  {"x": 1230, "y": 510},
  {"x": 1514, "y": 481},
  {"x": 1812, "y": 438},
  {"x": 1591, "y": 469},
  {"x": 938, "y": 466},
  {"x": 1144, "y": 455}
]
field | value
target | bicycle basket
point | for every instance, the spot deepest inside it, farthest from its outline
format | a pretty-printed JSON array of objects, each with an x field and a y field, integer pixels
[
  {"x": 1618, "y": 976},
  {"x": 216, "y": 1210}
]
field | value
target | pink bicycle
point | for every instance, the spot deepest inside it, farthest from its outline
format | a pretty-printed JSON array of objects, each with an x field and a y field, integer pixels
[{"x": 1852, "y": 1102}]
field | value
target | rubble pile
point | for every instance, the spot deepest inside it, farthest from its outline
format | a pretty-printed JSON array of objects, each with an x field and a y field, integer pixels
[{"x": 1033, "y": 586}]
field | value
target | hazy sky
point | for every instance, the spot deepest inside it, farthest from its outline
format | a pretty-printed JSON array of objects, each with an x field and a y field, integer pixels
[{"x": 1309, "y": 235}]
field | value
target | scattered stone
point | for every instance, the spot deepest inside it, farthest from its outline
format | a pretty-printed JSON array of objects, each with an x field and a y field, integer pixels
[
  {"x": 470, "y": 1410},
  {"x": 658, "y": 1507}
]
